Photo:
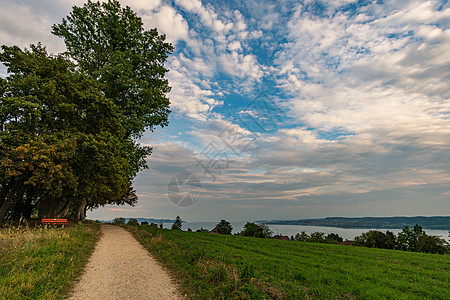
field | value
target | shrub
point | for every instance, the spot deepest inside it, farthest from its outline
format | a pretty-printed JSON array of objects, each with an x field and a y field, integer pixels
[
  {"x": 256, "y": 230},
  {"x": 119, "y": 220},
  {"x": 133, "y": 222}
]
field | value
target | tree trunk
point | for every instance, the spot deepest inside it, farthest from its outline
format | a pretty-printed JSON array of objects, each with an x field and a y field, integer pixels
[
  {"x": 54, "y": 208},
  {"x": 65, "y": 209},
  {"x": 81, "y": 210},
  {"x": 9, "y": 201}
]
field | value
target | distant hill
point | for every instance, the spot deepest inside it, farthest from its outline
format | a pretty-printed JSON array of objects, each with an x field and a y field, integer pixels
[{"x": 438, "y": 223}]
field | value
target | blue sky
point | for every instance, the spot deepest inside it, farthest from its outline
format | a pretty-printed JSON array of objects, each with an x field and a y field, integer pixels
[{"x": 289, "y": 109}]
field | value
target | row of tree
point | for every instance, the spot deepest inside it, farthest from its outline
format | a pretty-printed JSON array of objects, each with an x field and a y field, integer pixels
[
  {"x": 69, "y": 122},
  {"x": 318, "y": 237},
  {"x": 415, "y": 240}
]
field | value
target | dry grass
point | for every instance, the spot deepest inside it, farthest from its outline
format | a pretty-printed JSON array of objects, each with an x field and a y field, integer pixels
[{"x": 38, "y": 263}]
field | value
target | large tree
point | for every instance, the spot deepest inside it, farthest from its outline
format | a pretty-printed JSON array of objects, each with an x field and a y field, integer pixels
[
  {"x": 69, "y": 123},
  {"x": 109, "y": 43},
  {"x": 61, "y": 140}
]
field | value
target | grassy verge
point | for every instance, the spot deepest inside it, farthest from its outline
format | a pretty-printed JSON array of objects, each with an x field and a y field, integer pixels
[
  {"x": 37, "y": 263},
  {"x": 212, "y": 266}
]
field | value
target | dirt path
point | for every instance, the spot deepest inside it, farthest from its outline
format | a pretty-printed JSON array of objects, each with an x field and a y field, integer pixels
[{"x": 120, "y": 268}]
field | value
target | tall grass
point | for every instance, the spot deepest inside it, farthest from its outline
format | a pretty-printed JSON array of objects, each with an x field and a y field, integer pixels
[
  {"x": 212, "y": 266},
  {"x": 38, "y": 263}
]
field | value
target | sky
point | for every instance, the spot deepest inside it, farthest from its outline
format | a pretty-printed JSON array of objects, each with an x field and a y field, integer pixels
[{"x": 287, "y": 109}]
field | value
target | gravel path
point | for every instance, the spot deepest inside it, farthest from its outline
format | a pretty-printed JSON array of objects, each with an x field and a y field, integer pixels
[{"x": 120, "y": 268}]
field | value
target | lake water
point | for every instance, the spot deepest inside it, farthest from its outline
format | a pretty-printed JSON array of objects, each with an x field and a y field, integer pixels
[{"x": 345, "y": 233}]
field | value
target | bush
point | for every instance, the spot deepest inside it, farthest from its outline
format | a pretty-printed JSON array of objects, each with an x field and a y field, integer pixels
[
  {"x": 334, "y": 238},
  {"x": 119, "y": 220},
  {"x": 256, "y": 230},
  {"x": 133, "y": 222},
  {"x": 224, "y": 227}
]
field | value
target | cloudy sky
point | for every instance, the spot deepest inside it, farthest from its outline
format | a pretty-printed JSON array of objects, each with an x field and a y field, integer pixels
[{"x": 288, "y": 109}]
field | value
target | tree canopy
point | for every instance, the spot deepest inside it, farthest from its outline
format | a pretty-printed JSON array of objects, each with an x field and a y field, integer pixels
[
  {"x": 69, "y": 122},
  {"x": 109, "y": 44},
  {"x": 224, "y": 227},
  {"x": 256, "y": 230},
  {"x": 177, "y": 224},
  {"x": 61, "y": 139},
  {"x": 415, "y": 240}
]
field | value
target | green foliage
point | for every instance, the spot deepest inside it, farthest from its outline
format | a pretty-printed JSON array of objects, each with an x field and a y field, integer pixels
[
  {"x": 432, "y": 244},
  {"x": 251, "y": 268},
  {"x": 318, "y": 237},
  {"x": 408, "y": 238},
  {"x": 376, "y": 239},
  {"x": 333, "y": 238},
  {"x": 109, "y": 43},
  {"x": 224, "y": 227},
  {"x": 301, "y": 237},
  {"x": 415, "y": 240},
  {"x": 256, "y": 230},
  {"x": 119, "y": 220},
  {"x": 177, "y": 224},
  {"x": 133, "y": 222},
  {"x": 43, "y": 264},
  {"x": 61, "y": 139},
  {"x": 69, "y": 124}
]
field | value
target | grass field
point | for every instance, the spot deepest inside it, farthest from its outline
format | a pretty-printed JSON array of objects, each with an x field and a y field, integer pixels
[
  {"x": 210, "y": 266},
  {"x": 37, "y": 263}
]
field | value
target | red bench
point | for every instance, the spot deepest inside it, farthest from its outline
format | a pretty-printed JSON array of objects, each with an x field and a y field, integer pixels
[{"x": 54, "y": 221}]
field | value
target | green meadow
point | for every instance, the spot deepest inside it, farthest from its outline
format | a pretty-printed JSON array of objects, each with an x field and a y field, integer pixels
[
  {"x": 38, "y": 263},
  {"x": 211, "y": 266}
]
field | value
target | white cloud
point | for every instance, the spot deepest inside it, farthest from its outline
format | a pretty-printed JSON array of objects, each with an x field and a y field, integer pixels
[
  {"x": 214, "y": 45},
  {"x": 23, "y": 25},
  {"x": 146, "y": 5},
  {"x": 167, "y": 21},
  {"x": 386, "y": 74}
]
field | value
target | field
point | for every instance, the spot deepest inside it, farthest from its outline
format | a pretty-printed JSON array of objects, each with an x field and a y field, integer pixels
[
  {"x": 209, "y": 266},
  {"x": 37, "y": 263}
]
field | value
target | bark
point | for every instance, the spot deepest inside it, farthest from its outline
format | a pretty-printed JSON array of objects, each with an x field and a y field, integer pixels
[
  {"x": 81, "y": 210},
  {"x": 65, "y": 210},
  {"x": 9, "y": 201},
  {"x": 54, "y": 208}
]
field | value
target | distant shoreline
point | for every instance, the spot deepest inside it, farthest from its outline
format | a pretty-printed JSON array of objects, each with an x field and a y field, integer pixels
[{"x": 434, "y": 223}]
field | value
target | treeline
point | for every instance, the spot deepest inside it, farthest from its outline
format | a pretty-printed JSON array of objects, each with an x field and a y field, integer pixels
[
  {"x": 435, "y": 222},
  {"x": 415, "y": 240},
  {"x": 318, "y": 237},
  {"x": 69, "y": 122}
]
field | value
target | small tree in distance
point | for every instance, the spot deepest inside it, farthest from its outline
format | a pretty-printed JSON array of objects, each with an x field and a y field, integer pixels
[
  {"x": 224, "y": 227},
  {"x": 119, "y": 220},
  {"x": 333, "y": 238},
  {"x": 177, "y": 224},
  {"x": 256, "y": 230},
  {"x": 133, "y": 222}
]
